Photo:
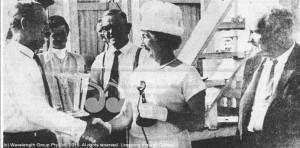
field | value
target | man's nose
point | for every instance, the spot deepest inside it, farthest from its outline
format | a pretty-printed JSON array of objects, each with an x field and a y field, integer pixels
[{"x": 250, "y": 38}]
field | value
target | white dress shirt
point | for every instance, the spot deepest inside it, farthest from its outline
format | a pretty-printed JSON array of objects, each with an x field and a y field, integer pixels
[
  {"x": 261, "y": 104},
  {"x": 25, "y": 107},
  {"x": 126, "y": 60}
]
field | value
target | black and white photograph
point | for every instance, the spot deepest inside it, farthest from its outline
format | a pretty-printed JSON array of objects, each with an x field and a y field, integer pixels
[{"x": 150, "y": 74}]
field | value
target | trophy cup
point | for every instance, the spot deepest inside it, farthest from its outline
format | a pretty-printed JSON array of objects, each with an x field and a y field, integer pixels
[{"x": 72, "y": 90}]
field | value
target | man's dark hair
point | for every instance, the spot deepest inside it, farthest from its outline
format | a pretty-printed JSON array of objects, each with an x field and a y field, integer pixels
[
  {"x": 23, "y": 10},
  {"x": 171, "y": 41},
  {"x": 114, "y": 12},
  {"x": 56, "y": 21}
]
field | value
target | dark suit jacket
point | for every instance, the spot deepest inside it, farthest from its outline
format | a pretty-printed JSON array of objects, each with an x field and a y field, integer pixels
[{"x": 281, "y": 126}]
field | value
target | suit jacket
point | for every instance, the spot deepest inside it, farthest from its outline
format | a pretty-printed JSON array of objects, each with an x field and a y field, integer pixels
[{"x": 281, "y": 126}]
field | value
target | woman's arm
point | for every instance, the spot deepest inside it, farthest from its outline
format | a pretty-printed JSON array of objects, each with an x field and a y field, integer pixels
[{"x": 195, "y": 118}]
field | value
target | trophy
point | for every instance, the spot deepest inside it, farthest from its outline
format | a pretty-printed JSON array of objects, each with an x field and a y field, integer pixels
[
  {"x": 143, "y": 122},
  {"x": 72, "y": 90}
]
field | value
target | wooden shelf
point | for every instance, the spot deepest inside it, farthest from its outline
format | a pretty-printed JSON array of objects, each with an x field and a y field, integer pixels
[
  {"x": 231, "y": 25},
  {"x": 222, "y": 55}
]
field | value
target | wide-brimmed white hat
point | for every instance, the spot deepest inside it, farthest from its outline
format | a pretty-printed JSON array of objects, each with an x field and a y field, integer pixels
[{"x": 162, "y": 17}]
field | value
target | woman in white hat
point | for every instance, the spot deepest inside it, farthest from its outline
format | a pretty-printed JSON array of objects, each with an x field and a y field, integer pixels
[{"x": 166, "y": 92}]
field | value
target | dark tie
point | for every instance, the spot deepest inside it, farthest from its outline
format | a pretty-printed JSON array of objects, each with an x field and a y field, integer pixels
[
  {"x": 46, "y": 86},
  {"x": 270, "y": 83},
  {"x": 114, "y": 76}
]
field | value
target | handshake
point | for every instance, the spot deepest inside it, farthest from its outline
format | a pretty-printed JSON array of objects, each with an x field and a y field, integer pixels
[{"x": 95, "y": 131}]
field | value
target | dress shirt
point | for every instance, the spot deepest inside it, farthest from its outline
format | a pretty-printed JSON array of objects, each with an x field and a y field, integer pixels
[
  {"x": 54, "y": 64},
  {"x": 60, "y": 53},
  {"x": 261, "y": 104},
  {"x": 25, "y": 107},
  {"x": 126, "y": 60}
]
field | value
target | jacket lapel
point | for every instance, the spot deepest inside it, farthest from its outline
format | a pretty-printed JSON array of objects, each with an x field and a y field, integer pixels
[
  {"x": 289, "y": 69},
  {"x": 248, "y": 97}
]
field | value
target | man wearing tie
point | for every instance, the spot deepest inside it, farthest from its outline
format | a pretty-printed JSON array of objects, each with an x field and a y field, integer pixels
[
  {"x": 115, "y": 64},
  {"x": 28, "y": 115},
  {"x": 269, "y": 113}
]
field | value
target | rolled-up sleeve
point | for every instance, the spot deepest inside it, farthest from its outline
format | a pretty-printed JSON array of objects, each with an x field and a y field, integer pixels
[{"x": 192, "y": 84}]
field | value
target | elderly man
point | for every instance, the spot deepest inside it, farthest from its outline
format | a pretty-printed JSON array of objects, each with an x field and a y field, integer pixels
[
  {"x": 27, "y": 112},
  {"x": 270, "y": 107},
  {"x": 58, "y": 59}
]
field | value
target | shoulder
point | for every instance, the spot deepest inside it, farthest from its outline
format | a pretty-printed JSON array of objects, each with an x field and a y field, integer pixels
[
  {"x": 252, "y": 64},
  {"x": 100, "y": 56},
  {"x": 297, "y": 50},
  {"x": 182, "y": 67},
  {"x": 98, "y": 60},
  {"x": 44, "y": 55},
  {"x": 75, "y": 55}
]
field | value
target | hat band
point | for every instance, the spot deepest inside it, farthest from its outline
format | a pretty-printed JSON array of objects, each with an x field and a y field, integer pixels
[{"x": 164, "y": 28}]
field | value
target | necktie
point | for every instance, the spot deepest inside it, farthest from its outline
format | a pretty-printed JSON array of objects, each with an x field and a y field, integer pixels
[
  {"x": 46, "y": 86},
  {"x": 256, "y": 121},
  {"x": 114, "y": 76},
  {"x": 270, "y": 82}
]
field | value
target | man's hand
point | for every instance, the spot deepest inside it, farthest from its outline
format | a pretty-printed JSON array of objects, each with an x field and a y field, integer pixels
[
  {"x": 151, "y": 111},
  {"x": 95, "y": 131}
]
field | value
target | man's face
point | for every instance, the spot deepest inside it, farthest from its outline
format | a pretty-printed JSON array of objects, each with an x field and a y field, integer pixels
[
  {"x": 35, "y": 31},
  {"x": 59, "y": 37},
  {"x": 113, "y": 30},
  {"x": 264, "y": 40},
  {"x": 254, "y": 37}
]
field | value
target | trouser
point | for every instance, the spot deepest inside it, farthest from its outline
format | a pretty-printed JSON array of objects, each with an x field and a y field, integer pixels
[{"x": 41, "y": 138}]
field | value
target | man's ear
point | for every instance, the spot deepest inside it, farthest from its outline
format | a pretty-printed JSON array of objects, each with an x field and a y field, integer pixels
[
  {"x": 24, "y": 23},
  {"x": 128, "y": 27}
]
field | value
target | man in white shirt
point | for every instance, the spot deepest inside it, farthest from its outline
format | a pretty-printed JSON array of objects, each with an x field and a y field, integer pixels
[
  {"x": 58, "y": 59},
  {"x": 114, "y": 29},
  {"x": 269, "y": 109},
  {"x": 114, "y": 66},
  {"x": 27, "y": 112}
]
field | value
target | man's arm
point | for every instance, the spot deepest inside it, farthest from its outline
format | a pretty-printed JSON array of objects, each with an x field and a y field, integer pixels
[
  {"x": 124, "y": 118},
  {"x": 30, "y": 102}
]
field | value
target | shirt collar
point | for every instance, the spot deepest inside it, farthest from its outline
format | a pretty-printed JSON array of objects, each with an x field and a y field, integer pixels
[
  {"x": 283, "y": 58},
  {"x": 124, "y": 50},
  {"x": 25, "y": 50},
  {"x": 60, "y": 53}
]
